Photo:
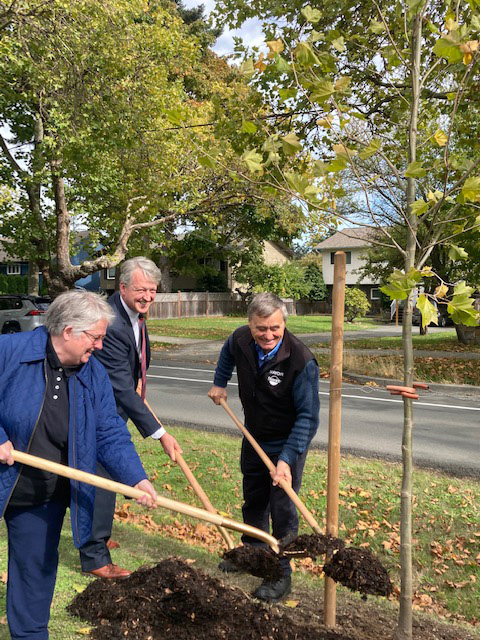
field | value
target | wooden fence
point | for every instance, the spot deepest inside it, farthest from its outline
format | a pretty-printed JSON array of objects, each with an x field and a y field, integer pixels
[{"x": 194, "y": 304}]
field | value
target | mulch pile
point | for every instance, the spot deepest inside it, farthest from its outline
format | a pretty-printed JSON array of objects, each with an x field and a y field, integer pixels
[
  {"x": 359, "y": 570},
  {"x": 174, "y": 601}
]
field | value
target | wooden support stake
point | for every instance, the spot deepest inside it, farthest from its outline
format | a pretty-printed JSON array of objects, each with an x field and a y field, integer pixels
[
  {"x": 179, "y": 304},
  {"x": 334, "y": 422}
]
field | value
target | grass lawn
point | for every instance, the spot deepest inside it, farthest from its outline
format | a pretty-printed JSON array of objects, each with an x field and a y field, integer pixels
[
  {"x": 445, "y": 526},
  {"x": 442, "y": 341},
  {"x": 220, "y": 327}
]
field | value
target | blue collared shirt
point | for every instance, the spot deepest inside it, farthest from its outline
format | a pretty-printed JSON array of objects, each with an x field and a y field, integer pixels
[{"x": 262, "y": 357}]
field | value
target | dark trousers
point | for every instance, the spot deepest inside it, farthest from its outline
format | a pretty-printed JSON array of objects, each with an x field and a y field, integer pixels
[
  {"x": 94, "y": 553},
  {"x": 263, "y": 501},
  {"x": 33, "y": 537}
]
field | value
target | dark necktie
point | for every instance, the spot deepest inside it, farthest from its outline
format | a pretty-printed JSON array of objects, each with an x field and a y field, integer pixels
[{"x": 143, "y": 354}]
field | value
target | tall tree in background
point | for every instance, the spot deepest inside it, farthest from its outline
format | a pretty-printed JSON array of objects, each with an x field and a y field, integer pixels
[{"x": 372, "y": 121}]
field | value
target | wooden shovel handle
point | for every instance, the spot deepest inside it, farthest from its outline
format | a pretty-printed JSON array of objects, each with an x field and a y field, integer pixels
[
  {"x": 131, "y": 492},
  {"x": 179, "y": 459},
  {"x": 271, "y": 467}
]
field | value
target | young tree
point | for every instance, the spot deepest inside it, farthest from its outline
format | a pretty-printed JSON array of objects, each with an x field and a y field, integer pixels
[{"x": 378, "y": 102}]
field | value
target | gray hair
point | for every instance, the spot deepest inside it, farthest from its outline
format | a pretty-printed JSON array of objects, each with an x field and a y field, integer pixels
[
  {"x": 147, "y": 266},
  {"x": 264, "y": 304},
  {"x": 79, "y": 309}
]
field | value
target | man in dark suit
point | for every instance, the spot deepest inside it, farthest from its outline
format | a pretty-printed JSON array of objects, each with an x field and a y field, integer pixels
[{"x": 126, "y": 357}]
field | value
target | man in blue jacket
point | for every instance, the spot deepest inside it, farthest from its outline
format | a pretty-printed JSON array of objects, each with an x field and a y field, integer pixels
[
  {"x": 56, "y": 402},
  {"x": 278, "y": 387}
]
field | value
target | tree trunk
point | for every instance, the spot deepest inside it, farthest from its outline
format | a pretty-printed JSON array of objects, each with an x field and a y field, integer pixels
[
  {"x": 165, "y": 285},
  {"x": 405, "y": 617},
  {"x": 33, "y": 278}
]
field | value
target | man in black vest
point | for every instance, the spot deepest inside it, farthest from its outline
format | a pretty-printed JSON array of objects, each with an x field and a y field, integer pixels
[
  {"x": 278, "y": 386},
  {"x": 125, "y": 347}
]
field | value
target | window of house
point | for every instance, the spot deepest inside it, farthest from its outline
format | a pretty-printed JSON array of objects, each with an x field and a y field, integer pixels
[
  {"x": 110, "y": 273},
  {"x": 375, "y": 293},
  {"x": 347, "y": 253},
  {"x": 13, "y": 269}
]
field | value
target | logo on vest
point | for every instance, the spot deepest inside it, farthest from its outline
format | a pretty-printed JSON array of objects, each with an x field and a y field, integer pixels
[{"x": 275, "y": 377}]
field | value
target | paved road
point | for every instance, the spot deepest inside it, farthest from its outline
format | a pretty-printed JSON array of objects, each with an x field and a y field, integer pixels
[{"x": 447, "y": 431}]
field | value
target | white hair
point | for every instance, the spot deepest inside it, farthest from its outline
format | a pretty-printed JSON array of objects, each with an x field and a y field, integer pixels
[
  {"x": 79, "y": 309},
  {"x": 147, "y": 266},
  {"x": 264, "y": 304}
]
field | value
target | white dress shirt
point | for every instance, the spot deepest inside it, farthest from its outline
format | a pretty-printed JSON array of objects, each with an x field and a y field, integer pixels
[{"x": 133, "y": 316}]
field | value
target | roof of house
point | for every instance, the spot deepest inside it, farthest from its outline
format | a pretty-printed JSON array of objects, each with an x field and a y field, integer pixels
[{"x": 348, "y": 239}]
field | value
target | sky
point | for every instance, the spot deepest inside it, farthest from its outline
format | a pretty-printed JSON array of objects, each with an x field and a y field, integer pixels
[{"x": 251, "y": 32}]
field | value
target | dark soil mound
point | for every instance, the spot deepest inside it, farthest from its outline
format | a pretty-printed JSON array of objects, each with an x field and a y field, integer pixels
[
  {"x": 359, "y": 570},
  {"x": 312, "y": 545},
  {"x": 257, "y": 561},
  {"x": 176, "y": 602}
]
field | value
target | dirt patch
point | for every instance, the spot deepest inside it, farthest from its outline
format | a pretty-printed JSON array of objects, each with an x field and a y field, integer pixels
[{"x": 174, "y": 601}]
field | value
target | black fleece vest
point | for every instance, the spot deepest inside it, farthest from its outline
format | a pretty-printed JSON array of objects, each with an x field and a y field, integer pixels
[{"x": 266, "y": 394}]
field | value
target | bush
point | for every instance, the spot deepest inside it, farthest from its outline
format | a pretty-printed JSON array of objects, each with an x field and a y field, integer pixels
[
  {"x": 13, "y": 284},
  {"x": 356, "y": 304},
  {"x": 314, "y": 277}
]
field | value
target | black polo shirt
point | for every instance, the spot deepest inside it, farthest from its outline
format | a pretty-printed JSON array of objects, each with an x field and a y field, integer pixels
[{"x": 49, "y": 440}]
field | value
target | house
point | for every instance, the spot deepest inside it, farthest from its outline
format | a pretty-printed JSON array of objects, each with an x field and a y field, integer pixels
[
  {"x": 274, "y": 252},
  {"x": 355, "y": 243}
]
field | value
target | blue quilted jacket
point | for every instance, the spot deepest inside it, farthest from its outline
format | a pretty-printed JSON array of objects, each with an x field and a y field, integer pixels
[{"x": 95, "y": 431}]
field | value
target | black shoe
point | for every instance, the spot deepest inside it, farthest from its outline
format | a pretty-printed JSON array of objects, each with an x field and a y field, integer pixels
[
  {"x": 274, "y": 591},
  {"x": 228, "y": 566}
]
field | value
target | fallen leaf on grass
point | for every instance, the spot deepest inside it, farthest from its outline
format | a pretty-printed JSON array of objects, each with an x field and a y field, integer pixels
[
  {"x": 84, "y": 631},
  {"x": 79, "y": 587},
  {"x": 4, "y": 577}
]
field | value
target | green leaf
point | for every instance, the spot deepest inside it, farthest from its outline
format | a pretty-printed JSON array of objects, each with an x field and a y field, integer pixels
[
  {"x": 376, "y": 27},
  {"x": 322, "y": 89},
  {"x": 285, "y": 94},
  {"x": 320, "y": 169},
  {"x": 471, "y": 188},
  {"x": 174, "y": 116},
  {"x": 247, "y": 68},
  {"x": 339, "y": 44},
  {"x": 373, "y": 147},
  {"x": 428, "y": 310},
  {"x": 342, "y": 83},
  {"x": 248, "y": 127},
  {"x": 445, "y": 49},
  {"x": 419, "y": 207},
  {"x": 415, "y": 170},
  {"x": 207, "y": 161},
  {"x": 253, "y": 160},
  {"x": 461, "y": 306},
  {"x": 305, "y": 54},
  {"x": 457, "y": 253},
  {"x": 401, "y": 284},
  {"x": 338, "y": 164},
  {"x": 291, "y": 144},
  {"x": 310, "y": 14},
  {"x": 297, "y": 182},
  {"x": 282, "y": 65}
]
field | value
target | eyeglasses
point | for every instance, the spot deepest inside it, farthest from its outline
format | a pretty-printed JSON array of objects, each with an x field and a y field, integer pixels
[
  {"x": 93, "y": 338},
  {"x": 142, "y": 291}
]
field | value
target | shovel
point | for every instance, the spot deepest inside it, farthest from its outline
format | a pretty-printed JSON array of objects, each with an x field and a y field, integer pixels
[
  {"x": 196, "y": 486},
  {"x": 271, "y": 467},
  {"x": 131, "y": 492}
]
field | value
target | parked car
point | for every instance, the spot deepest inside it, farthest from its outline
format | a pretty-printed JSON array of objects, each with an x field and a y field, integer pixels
[
  {"x": 20, "y": 312},
  {"x": 444, "y": 319}
]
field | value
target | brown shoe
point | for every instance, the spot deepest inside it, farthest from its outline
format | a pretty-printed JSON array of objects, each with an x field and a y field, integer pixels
[
  {"x": 112, "y": 544},
  {"x": 110, "y": 572}
]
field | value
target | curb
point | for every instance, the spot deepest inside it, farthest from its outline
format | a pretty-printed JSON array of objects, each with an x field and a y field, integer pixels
[{"x": 466, "y": 389}]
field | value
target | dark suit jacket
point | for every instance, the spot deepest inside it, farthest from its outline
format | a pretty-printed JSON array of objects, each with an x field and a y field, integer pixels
[{"x": 120, "y": 358}]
